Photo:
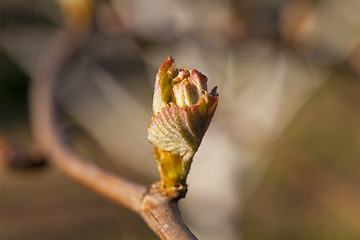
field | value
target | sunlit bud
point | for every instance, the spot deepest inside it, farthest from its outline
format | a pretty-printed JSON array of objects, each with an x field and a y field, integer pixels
[{"x": 182, "y": 111}]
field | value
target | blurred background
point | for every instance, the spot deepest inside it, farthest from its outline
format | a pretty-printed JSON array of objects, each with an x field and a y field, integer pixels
[{"x": 280, "y": 159}]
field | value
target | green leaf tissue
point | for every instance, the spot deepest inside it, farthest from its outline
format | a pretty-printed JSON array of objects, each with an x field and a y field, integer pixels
[{"x": 182, "y": 111}]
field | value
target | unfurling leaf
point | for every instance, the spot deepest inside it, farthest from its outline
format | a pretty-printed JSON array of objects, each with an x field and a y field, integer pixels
[{"x": 182, "y": 111}]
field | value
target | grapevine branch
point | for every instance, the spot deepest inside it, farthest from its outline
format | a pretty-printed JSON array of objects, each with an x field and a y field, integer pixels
[{"x": 160, "y": 212}]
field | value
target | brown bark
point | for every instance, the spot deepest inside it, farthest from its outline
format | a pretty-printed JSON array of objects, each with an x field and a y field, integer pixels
[{"x": 160, "y": 212}]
